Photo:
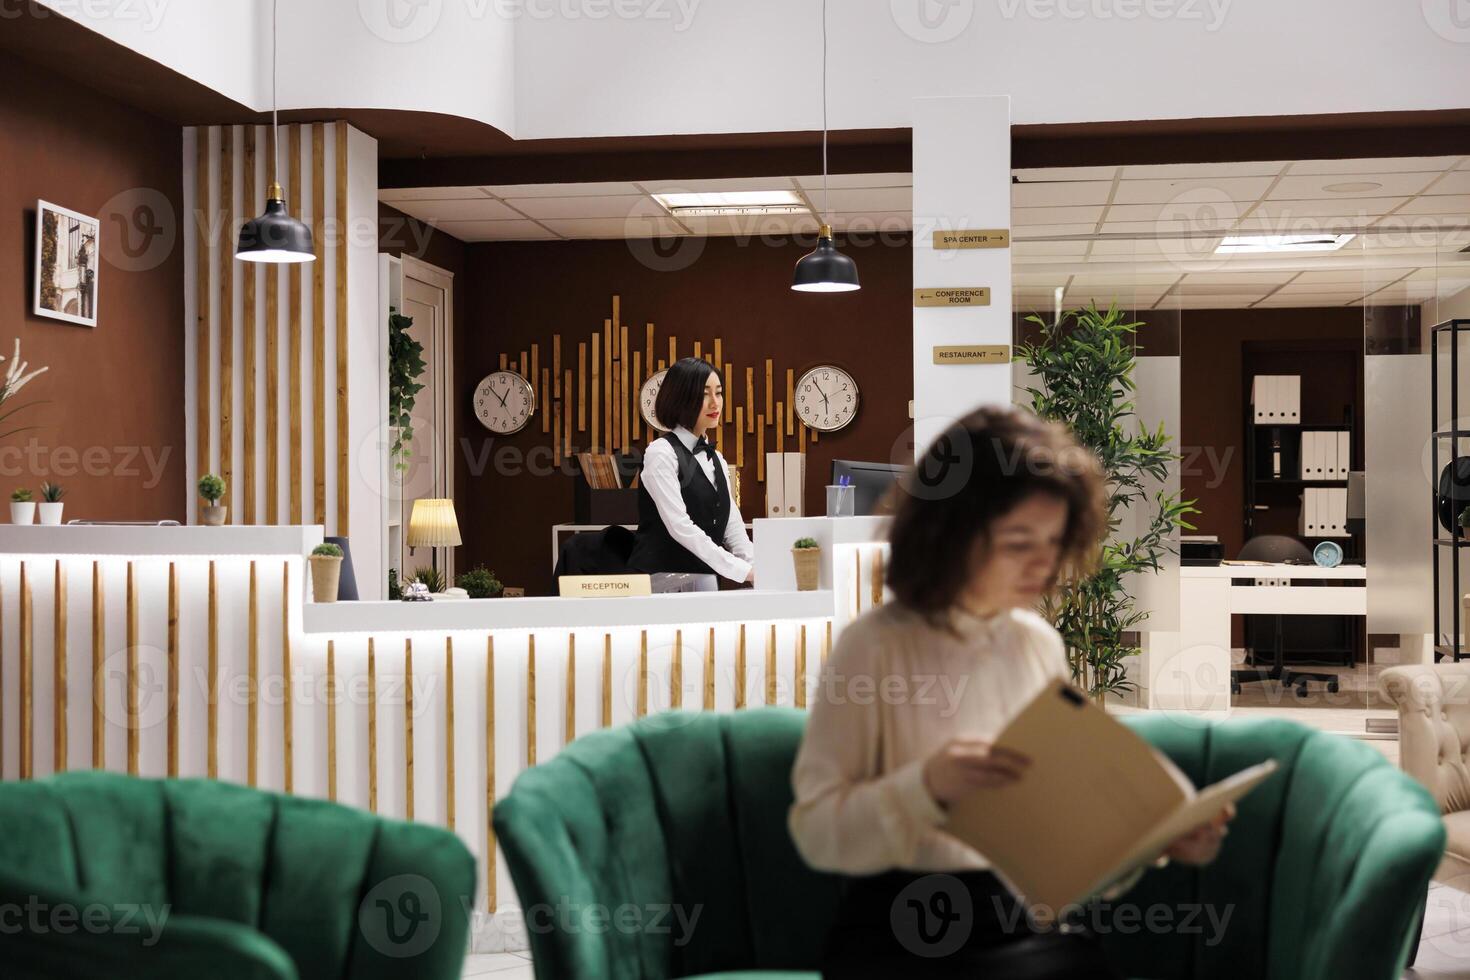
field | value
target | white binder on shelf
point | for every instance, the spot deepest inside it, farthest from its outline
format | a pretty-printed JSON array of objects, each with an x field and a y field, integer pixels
[
  {"x": 1291, "y": 401},
  {"x": 775, "y": 485},
  {"x": 1260, "y": 397},
  {"x": 1337, "y": 527},
  {"x": 1309, "y": 442},
  {"x": 1329, "y": 453},
  {"x": 794, "y": 469},
  {"x": 1344, "y": 455},
  {"x": 1310, "y": 512},
  {"x": 1272, "y": 391}
]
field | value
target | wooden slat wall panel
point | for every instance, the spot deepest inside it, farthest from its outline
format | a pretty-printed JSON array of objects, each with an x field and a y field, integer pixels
[
  {"x": 293, "y": 345},
  {"x": 272, "y": 387},
  {"x": 339, "y": 239},
  {"x": 227, "y": 320},
  {"x": 318, "y": 331},
  {"x": 203, "y": 277},
  {"x": 58, "y": 670},
  {"x": 248, "y": 327}
]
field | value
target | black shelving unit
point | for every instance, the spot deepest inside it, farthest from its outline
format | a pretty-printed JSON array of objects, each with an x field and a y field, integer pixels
[{"x": 1443, "y": 430}]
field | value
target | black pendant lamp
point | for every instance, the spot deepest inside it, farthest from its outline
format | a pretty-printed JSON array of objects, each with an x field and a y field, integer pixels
[
  {"x": 825, "y": 269},
  {"x": 275, "y": 236}
]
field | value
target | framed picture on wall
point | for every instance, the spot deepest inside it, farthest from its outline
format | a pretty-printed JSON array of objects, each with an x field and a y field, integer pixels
[{"x": 66, "y": 264}]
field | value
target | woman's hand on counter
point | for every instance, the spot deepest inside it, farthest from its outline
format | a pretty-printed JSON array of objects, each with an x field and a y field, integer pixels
[{"x": 750, "y": 576}]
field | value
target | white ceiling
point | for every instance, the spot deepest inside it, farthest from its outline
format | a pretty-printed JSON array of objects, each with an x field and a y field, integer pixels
[{"x": 1143, "y": 235}]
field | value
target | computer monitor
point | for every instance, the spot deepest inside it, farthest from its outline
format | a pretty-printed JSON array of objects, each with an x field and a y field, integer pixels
[{"x": 872, "y": 482}]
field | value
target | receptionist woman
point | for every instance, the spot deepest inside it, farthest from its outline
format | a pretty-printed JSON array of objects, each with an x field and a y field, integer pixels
[{"x": 689, "y": 530}]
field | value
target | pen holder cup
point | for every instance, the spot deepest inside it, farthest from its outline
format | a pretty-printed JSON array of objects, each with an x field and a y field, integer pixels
[{"x": 841, "y": 501}]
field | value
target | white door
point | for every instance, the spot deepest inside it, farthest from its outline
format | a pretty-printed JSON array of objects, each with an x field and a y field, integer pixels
[{"x": 428, "y": 298}]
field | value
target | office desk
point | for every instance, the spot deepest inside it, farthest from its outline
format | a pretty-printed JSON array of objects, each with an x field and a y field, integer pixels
[{"x": 1190, "y": 669}]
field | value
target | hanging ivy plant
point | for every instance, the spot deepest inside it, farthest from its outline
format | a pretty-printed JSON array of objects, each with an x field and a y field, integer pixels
[{"x": 405, "y": 366}]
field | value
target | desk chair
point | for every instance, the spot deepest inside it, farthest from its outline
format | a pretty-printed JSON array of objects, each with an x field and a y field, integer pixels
[{"x": 1277, "y": 548}]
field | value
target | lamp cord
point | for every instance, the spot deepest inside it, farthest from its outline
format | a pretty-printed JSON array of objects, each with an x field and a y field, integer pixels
[
  {"x": 275, "y": 126},
  {"x": 826, "y": 212}
]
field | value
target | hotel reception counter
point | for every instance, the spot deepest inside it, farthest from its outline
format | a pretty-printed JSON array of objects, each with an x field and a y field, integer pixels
[{"x": 196, "y": 651}]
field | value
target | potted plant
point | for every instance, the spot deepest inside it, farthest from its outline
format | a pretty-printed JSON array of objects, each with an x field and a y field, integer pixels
[
  {"x": 807, "y": 555},
  {"x": 431, "y": 578},
  {"x": 395, "y": 591},
  {"x": 50, "y": 507},
  {"x": 326, "y": 572},
  {"x": 481, "y": 583},
  {"x": 22, "y": 507},
  {"x": 211, "y": 489}
]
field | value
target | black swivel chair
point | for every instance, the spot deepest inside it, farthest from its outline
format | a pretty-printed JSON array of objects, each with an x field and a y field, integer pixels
[{"x": 1274, "y": 548}]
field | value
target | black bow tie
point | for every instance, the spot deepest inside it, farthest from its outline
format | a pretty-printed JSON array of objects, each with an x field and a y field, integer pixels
[{"x": 702, "y": 445}]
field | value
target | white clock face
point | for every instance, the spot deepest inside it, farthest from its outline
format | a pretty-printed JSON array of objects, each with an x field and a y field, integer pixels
[
  {"x": 504, "y": 402},
  {"x": 648, "y": 396},
  {"x": 826, "y": 398}
]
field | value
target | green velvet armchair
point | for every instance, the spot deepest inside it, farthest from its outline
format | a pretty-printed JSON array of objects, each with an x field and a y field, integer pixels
[
  {"x": 106, "y": 875},
  {"x": 661, "y": 850}
]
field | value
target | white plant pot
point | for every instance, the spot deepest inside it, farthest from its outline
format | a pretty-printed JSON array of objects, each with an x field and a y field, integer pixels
[
  {"x": 212, "y": 515},
  {"x": 23, "y": 513},
  {"x": 50, "y": 511}
]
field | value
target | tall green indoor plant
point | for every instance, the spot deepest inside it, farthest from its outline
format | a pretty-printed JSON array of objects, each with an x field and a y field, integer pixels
[
  {"x": 1083, "y": 369},
  {"x": 405, "y": 366}
]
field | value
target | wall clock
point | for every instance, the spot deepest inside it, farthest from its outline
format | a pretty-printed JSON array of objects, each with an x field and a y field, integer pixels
[
  {"x": 648, "y": 395},
  {"x": 504, "y": 402},
  {"x": 826, "y": 398}
]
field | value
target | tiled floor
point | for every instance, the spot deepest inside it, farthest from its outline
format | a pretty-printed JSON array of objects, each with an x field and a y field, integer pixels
[{"x": 499, "y": 966}]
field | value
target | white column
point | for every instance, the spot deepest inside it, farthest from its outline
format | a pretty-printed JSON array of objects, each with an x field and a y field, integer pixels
[{"x": 962, "y": 180}]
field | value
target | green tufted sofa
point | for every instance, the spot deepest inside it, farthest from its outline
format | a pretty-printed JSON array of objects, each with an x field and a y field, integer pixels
[
  {"x": 1324, "y": 871},
  {"x": 106, "y": 875}
]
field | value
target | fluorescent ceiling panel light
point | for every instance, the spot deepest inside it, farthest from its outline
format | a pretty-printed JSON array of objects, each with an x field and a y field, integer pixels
[
  {"x": 1236, "y": 244},
  {"x": 713, "y": 203}
]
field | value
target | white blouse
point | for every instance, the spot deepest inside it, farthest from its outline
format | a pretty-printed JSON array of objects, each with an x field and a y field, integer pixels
[{"x": 660, "y": 476}]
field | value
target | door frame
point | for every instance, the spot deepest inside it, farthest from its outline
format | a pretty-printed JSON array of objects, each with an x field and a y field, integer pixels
[{"x": 443, "y": 280}]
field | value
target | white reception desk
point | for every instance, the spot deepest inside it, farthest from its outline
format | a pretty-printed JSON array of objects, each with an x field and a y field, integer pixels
[{"x": 196, "y": 651}]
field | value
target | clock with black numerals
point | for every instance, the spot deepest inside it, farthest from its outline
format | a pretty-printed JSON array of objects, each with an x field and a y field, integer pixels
[
  {"x": 826, "y": 398},
  {"x": 504, "y": 402},
  {"x": 648, "y": 397}
]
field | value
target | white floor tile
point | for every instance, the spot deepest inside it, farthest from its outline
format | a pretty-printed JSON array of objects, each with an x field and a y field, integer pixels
[{"x": 498, "y": 966}]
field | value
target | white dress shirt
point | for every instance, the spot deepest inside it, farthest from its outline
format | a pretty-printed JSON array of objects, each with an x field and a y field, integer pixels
[
  {"x": 660, "y": 478},
  {"x": 894, "y": 690}
]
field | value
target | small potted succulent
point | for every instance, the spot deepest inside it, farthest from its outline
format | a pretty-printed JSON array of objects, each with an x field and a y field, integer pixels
[
  {"x": 211, "y": 489},
  {"x": 326, "y": 572},
  {"x": 430, "y": 577},
  {"x": 50, "y": 506},
  {"x": 807, "y": 555},
  {"x": 481, "y": 583},
  {"x": 22, "y": 506}
]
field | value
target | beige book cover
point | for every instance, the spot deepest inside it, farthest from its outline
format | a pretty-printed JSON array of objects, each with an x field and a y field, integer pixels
[{"x": 1096, "y": 802}]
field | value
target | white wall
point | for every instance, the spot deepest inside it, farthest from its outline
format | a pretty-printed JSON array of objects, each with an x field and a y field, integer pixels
[{"x": 542, "y": 69}]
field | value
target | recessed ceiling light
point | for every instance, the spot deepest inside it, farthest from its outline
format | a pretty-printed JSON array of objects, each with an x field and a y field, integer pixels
[
  {"x": 1352, "y": 186},
  {"x": 1281, "y": 243},
  {"x": 711, "y": 203}
]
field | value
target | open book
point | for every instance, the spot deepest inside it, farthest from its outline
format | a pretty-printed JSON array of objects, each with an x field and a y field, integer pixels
[{"x": 1096, "y": 802}]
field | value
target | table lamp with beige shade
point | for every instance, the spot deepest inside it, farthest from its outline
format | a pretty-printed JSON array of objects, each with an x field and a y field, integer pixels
[{"x": 432, "y": 525}]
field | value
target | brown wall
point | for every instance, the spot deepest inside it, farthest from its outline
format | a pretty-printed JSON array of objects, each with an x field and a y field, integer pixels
[
  {"x": 517, "y": 294},
  {"x": 112, "y": 428}
]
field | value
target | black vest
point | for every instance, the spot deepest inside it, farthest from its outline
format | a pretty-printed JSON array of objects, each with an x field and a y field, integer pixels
[{"x": 708, "y": 507}]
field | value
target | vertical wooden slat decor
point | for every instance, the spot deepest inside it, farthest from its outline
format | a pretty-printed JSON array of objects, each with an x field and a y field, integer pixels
[
  {"x": 293, "y": 325},
  {"x": 740, "y": 669},
  {"x": 780, "y": 431},
  {"x": 58, "y": 672},
  {"x": 551, "y": 414},
  {"x": 252, "y": 680},
  {"x": 709, "y": 671},
  {"x": 801, "y": 668},
  {"x": 857, "y": 582},
  {"x": 372, "y": 725},
  {"x": 538, "y": 383},
  {"x": 760, "y": 448},
  {"x": 408, "y": 727},
  {"x": 339, "y": 238},
  {"x": 596, "y": 440},
  {"x": 227, "y": 319},
  {"x": 247, "y": 327},
  {"x": 827, "y": 643},
  {"x": 771, "y": 666},
  {"x": 173, "y": 670},
  {"x": 800, "y": 437},
  {"x": 132, "y": 638},
  {"x": 877, "y": 576},
  {"x": 566, "y": 415},
  {"x": 318, "y": 330},
  {"x": 642, "y": 673},
  {"x": 272, "y": 384},
  {"x": 606, "y": 680},
  {"x": 739, "y": 437},
  {"x": 212, "y": 680},
  {"x": 698, "y": 354},
  {"x": 607, "y": 386},
  {"x": 571, "y": 686},
  {"x": 489, "y": 773},
  {"x": 626, "y": 393},
  {"x": 27, "y": 682},
  {"x": 582, "y": 386},
  {"x": 203, "y": 274},
  {"x": 770, "y": 392},
  {"x": 332, "y": 722},
  {"x": 790, "y": 398},
  {"x": 99, "y": 682},
  {"x": 676, "y": 672},
  {"x": 531, "y": 700},
  {"x": 673, "y": 349},
  {"x": 749, "y": 400},
  {"x": 449, "y": 732},
  {"x": 287, "y": 737}
]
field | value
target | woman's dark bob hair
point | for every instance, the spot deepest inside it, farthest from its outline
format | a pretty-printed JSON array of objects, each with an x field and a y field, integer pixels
[
  {"x": 681, "y": 396},
  {"x": 978, "y": 470}
]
